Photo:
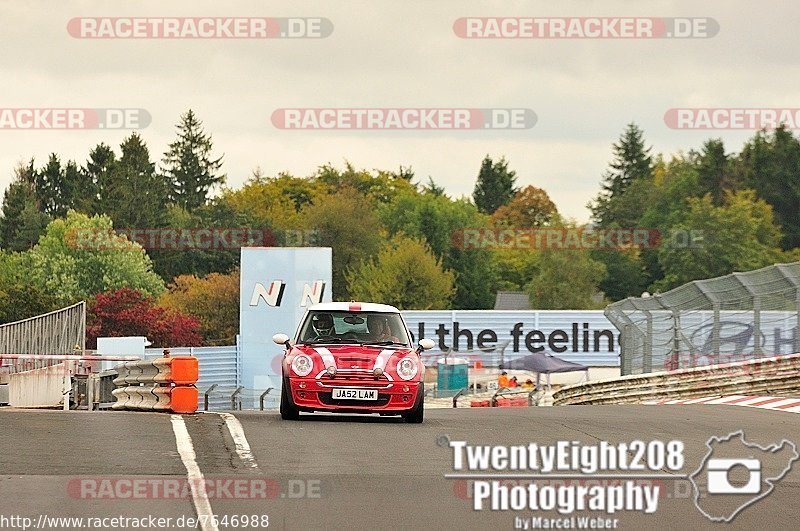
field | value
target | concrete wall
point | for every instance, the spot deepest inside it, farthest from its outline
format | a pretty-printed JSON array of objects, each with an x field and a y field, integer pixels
[{"x": 38, "y": 388}]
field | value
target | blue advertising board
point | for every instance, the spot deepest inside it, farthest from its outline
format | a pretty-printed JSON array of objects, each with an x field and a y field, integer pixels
[{"x": 277, "y": 285}]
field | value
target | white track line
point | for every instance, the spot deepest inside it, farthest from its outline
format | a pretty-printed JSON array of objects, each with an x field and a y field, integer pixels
[
  {"x": 791, "y": 405},
  {"x": 242, "y": 446},
  {"x": 196, "y": 481}
]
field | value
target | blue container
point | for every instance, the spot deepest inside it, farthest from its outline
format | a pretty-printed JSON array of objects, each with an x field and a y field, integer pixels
[{"x": 453, "y": 374}]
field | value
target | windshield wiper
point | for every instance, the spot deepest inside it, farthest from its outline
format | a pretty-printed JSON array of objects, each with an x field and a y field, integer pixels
[
  {"x": 385, "y": 343},
  {"x": 326, "y": 339}
]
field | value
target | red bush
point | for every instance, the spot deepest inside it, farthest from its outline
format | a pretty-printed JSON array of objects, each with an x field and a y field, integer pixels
[{"x": 128, "y": 312}]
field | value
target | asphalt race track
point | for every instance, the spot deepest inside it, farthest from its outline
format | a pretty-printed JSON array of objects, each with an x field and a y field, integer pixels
[{"x": 359, "y": 472}]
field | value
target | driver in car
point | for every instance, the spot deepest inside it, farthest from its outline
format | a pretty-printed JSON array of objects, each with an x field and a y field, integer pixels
[
  {"x": 379, "y": 329},
  {"x": 323, "y": 325}
]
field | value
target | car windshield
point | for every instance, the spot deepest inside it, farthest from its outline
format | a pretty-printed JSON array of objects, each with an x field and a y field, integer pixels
[{"x": 354, "y": 327}]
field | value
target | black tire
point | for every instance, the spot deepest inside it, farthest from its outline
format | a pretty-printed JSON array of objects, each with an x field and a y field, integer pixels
[
  {"x": 288, "y": 410},
  {"x": 417, "y": 414}
]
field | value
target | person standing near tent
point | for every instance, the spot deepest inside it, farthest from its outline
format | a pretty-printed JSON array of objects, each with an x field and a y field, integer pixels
[{"x": 502, "y": 380}]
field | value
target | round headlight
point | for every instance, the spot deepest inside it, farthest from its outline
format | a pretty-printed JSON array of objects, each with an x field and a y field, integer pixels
[
  {"x": 406, "y": 368},
  {"x": 302, "y": 365},
  {"x": 331, "y": 371}
]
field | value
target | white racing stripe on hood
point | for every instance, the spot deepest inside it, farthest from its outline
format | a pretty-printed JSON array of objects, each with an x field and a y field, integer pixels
[
  {"x": 327, "y": 358},
  {"x": 382, "y": 359}
]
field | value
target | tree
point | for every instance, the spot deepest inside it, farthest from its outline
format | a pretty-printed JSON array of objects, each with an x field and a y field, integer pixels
[
  {"x": 346, "y": 222},
  {"x": 51, "y": 188},
  {"x": 221, "y": 254},
  {"x": 21, "y": 221},
  {"x": 189, "y": 166},
  {"x": 515, "y": 268},
  {"x": 770, "y": 165},
  {"x": 495, "y": 185},
  {"x": 440, "y": 220},
  {"x": 432, "y": 188},
  {"x": 128, "y": 312},
  {"x": 273, "y": 201},
  {"x": 135, "y": 195},
  {"x": 19, "y": 298},
  {"x": 381, "y": 187},
  {"x": 739, "y": 236},
  {"x": 21, "y": 301},
  {"x": 99, "y": 169},
  {"x": 530, "y": 207},
  {"x": 80, "y": 190},
  {"x": 566, "y": 280},
  {"x": 632, "y": 163},
  {"x": 80, "y": 256},
  {"x": 213, "y": 300},
  {"x": 714, "y": 171},
  {"x": 405, "y": 274}
]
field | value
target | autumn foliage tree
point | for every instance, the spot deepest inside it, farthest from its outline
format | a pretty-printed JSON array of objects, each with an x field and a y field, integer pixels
[
  {"x": 213, "y": 300},
  {"x": 406, "y": 274},
  {"x": 530, "y": 207},
  {"x": 128, "y": 312}
]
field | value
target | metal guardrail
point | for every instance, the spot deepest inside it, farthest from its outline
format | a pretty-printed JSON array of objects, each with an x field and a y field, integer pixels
[
  {"x": 778, "y": 375},
  {"x": 237, "y": 397}
]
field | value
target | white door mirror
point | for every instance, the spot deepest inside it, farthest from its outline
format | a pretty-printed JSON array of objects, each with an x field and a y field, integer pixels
[
  {"x": 280, "y": 339},
  {"x": 426, "y": 344}
]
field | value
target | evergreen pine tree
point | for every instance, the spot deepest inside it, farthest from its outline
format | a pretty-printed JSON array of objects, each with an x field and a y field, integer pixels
[
  {"x": 189, "y": 166},
  {"x": 495, "y": 185}
]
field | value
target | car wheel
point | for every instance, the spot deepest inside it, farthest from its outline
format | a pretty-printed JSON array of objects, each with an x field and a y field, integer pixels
[
  {"x": 288, "y": 410},
  {"x": 417, "y": 414}
]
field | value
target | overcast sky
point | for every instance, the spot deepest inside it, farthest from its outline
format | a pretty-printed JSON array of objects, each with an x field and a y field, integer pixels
[{"x": 399, "y": 54}]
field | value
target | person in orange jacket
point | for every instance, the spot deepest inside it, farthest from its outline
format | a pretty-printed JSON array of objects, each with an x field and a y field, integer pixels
[{"x": 502, "y": 380}]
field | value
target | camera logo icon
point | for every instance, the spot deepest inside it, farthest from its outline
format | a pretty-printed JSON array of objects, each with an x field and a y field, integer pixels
[
  {"x": 719, "y": 471},
  {"x": 736, "y": 473}
]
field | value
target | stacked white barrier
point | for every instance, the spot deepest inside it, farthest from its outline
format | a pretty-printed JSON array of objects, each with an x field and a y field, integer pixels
[{"x": 161, "y": 384}]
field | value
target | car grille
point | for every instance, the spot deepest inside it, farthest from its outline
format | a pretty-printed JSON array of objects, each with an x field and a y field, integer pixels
[{"x": 356, "y": 374}]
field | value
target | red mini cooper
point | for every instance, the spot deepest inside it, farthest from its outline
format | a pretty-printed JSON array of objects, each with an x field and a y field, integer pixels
[{"x": 352, "y": 358}]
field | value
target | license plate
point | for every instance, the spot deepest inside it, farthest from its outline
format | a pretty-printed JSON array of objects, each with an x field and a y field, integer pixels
[{"x": 355, "y": 394}]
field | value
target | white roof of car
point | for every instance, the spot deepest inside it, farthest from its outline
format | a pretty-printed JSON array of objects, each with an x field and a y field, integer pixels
[{"x": 353, "y": 307}]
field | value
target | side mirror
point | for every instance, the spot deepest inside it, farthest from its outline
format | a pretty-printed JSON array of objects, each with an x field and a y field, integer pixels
[
  {"x": 281, "y": 339},
  {"x": 426, "y": 344}
]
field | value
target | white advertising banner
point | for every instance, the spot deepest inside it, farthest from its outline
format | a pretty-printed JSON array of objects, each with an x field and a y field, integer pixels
[{"x": 586, "y": 337}]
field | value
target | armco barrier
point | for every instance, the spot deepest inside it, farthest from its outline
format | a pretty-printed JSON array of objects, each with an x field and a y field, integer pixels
[
  {"x": 161, "y": 384},
  {"x": 779, "y": 376}
]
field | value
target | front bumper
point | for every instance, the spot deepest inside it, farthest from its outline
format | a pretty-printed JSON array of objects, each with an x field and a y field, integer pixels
[{"x": 310, "y": 394}]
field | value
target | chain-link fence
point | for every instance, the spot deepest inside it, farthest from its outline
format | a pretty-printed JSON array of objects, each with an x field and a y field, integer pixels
[{"x": 736, "y": 317}]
